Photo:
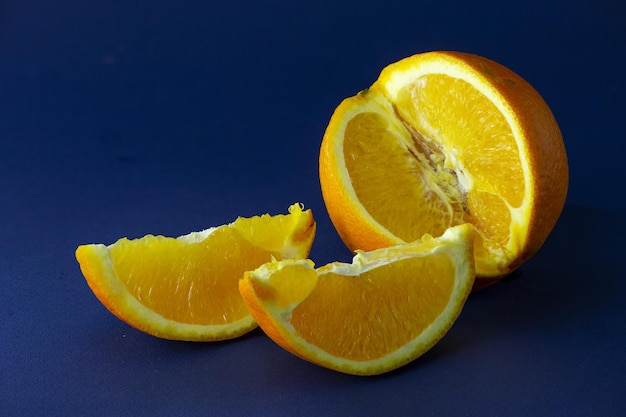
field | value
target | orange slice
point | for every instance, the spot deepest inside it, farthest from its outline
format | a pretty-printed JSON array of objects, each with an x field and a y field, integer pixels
[
  {"x": 372, "y": 316},
  {"x": 442, "y": 139},
  {"x": 186, "y": 288}
]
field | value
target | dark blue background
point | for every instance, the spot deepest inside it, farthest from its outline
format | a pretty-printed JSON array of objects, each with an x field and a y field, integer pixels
[{"x": 121, "y": 118}]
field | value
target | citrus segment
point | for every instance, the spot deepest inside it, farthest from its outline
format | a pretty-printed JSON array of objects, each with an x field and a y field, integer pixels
[
  {"x": 374, "y": 315},
  {"x": 442, "y": 139},
  {"x": 186, "y": 288}
]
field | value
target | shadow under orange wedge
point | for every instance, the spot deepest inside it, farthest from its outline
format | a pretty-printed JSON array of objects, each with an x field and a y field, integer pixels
[
  {"x": 378, "y": 313},
  {"x": 442, "y": 139},
  {"x": 186, "y": 288}
]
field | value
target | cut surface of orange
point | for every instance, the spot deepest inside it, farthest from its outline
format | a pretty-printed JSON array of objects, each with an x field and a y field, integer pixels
[
  {"x": 378, "y": 313},
  {"x": 186, "y": 288},
  {"x": 442, "y": 139}
]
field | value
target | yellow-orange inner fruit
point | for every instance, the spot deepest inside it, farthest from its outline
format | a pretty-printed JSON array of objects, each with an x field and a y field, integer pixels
[
  {"x": 461, "y": 163},
  {"x": 202, "y": 293},
  {"x": 386, "y": 310}
]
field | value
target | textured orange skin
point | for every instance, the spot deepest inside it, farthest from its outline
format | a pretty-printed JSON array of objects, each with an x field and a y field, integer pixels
[
  {"x": 91, "y": 269},
  {"x": 546, "y": 150}
]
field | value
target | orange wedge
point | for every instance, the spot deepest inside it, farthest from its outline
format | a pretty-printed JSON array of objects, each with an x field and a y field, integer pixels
[
  {"x": 442, "y": 139},
  {"x": 186, "y": 288},
  {"x": 372, "y": 316}
]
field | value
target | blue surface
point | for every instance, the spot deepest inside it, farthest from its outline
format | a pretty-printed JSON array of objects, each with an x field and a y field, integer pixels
[{"x": 123, "y": 118}]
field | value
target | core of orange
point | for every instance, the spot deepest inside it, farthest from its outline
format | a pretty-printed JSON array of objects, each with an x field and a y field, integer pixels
[{"x": 441, "y": 139}]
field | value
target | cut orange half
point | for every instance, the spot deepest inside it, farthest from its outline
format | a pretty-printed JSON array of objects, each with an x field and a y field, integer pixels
[
  {"x": 442, "y": 139},
  {"x": 372, "y": 316},
  {"x": 186, "y": 288}
]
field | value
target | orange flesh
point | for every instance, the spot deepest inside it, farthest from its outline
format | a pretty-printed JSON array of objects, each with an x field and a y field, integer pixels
[
  {"x": 200, "y": 280},
  {"x": 401, "y": 199},
  {"x": 383, "y": 310},
  {"x": 464, "y": 165}
]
